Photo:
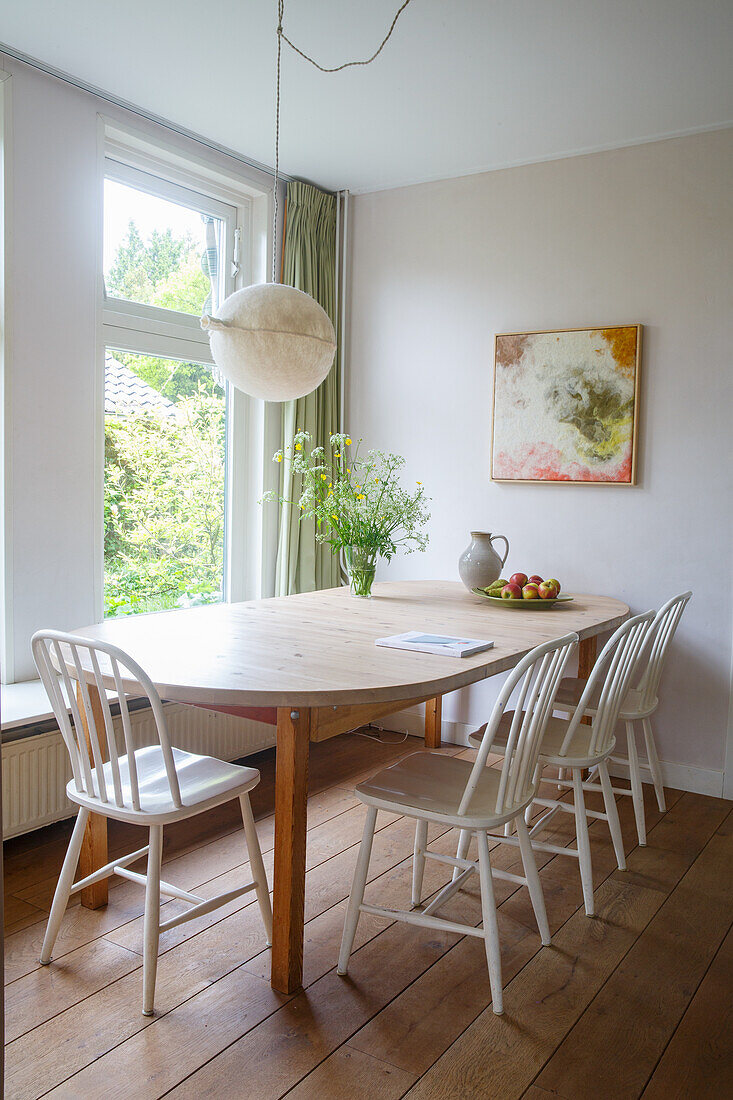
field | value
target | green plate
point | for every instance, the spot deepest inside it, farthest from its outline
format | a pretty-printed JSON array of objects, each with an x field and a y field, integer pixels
[{"x": 524, "y": 605}]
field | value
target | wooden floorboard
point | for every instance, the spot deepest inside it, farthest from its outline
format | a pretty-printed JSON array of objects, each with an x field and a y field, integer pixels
[{"x": 413, "y": 1018}]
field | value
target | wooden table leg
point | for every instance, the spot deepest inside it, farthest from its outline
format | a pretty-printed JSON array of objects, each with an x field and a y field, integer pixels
[
  {"x": 433, "y": 710},
  {"x": 587, "y": 650},
  {"x": 587, "y": 656},
  {"x": 291, "y": 791},
  {"x": 94, "y": 846}
]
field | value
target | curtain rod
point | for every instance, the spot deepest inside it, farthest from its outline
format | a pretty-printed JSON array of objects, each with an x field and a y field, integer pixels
[{"x": 83, "y": 86}]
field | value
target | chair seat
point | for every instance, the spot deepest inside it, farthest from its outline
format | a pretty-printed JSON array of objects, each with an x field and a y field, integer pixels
[
  {"x": 578, "y": 754},
  {"x": 431, "y": 785},
  {"x": 572, "y": 687},
  {"x": 204, "y": 782}
]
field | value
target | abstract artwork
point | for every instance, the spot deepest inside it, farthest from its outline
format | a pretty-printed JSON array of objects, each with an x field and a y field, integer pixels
[{"x": 566, "y": 405}]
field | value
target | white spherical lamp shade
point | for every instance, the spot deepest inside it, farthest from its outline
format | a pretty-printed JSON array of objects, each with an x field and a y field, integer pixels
[{"x": 272, "y": 341}]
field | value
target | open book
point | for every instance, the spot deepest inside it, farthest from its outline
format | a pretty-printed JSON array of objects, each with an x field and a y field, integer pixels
[{"x": 435, "y": 643}]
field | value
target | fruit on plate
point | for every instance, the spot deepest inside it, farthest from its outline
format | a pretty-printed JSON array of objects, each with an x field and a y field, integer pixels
[
  {"x": 530, "y": 592},
  {"x": 511, "y": 592},
  {"x": 552, "y": 581},
  {"x": 494, "y": 589},
  {"x": 520, "y": 579},
  {"x": 535, "y": 580},
  {"x": 547, "y": 591}
]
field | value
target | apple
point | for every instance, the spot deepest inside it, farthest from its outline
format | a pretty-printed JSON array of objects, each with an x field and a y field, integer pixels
[
  {"x": 530, "y": 592},
  {"x": 547, "y": 591},
  {"x": 551, "y": 580},
  {"x": 511, "y": 592},
  {"x": 519, "y": 579},
  {"x": 535, "y": 580}
]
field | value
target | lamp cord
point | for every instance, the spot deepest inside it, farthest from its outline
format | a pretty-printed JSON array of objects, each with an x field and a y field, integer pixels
[{"x": 282, "y": 37}]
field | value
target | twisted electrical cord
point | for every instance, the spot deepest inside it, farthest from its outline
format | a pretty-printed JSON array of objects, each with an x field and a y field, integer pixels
[{"x": 282, "y": 37}]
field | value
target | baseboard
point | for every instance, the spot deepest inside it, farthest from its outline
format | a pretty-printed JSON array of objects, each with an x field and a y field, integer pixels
[{"x": 681, "y": 777}]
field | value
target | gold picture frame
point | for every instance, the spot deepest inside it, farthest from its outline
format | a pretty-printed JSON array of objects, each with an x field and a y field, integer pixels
[{"x": 566, "y": 411}]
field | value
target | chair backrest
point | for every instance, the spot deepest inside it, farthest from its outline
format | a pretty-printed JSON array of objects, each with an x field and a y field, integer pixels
[
  {"x": 538, "y": 675},
  {"x": 652, "y": 660},
  {"x": 81, "y": 662},
  {"x": 612, "y": 673}
]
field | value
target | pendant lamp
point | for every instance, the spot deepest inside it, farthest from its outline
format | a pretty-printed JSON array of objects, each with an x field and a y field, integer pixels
[{"x": 270, "y": 340}]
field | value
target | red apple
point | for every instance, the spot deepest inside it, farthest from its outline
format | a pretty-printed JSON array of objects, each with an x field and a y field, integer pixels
[
  {"x": 547, "y": 591},
  {"x": 511, "y": 592},
  {"x": 518, "y": 578},
  {"x": 551, "y": 580},
  {"x": 530, "y": 592},
  {"x": 535, "y": 580}
]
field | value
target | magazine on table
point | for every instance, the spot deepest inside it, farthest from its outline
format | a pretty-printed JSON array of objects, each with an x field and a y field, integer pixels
[{"x": 442, "y": 644}]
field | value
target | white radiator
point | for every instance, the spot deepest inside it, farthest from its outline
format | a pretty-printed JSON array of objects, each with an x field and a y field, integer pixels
[{"x": 36, "y": 768}]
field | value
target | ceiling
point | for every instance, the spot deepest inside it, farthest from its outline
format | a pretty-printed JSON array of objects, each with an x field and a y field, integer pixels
[{"x": 462, "y": 86}]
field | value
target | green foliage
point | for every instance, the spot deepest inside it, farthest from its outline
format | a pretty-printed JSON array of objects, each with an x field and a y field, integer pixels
[
  {"x": 356, "y": 501},
  {"x": 169, "y": 376},
  {"x": 164, "y": 271},
  {"x": 164, "y": 476},
  {"x": 164, "y": 507}
]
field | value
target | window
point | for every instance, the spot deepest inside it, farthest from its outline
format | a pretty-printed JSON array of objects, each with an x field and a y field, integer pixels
[{"x": 169, "y": 256}]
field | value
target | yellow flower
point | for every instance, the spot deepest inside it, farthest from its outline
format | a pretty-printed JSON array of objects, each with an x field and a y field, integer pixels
[
  {"x": 299, "y": 446},
  {"x": 278, "y": 458},
  {"x": 360, "y": 496},
  {"x": 334, "y": 517},
  {"x": 376, "y": 479},
  {"x": 418, "y": 482},
  {"x": 323, "y": 477},
  {"x": 330, "y": 484},
  {"x": 348, "y": 442}
]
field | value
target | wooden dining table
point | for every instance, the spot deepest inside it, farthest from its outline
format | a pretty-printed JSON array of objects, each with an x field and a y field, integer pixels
[{"x": 312, "y": 660}]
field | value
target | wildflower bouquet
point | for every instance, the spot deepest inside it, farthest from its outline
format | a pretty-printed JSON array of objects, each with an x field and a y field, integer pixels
[{"x": 357, "y": 503}]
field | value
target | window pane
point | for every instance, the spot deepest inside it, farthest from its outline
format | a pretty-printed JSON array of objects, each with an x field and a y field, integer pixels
[
  {"x": 159, "y": 253},
  {"x": 163, "y": 484}
]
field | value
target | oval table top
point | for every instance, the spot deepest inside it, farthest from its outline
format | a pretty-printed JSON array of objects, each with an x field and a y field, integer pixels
[{"x": 317, "y": 648}]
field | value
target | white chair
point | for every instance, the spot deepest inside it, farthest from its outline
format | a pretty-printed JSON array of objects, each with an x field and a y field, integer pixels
[
  {"x": 575, "y": 745},
  {"x": 150, "y": 786},
  {"x": 638, "y": 706},
  {"x": 473, "y": 797}
]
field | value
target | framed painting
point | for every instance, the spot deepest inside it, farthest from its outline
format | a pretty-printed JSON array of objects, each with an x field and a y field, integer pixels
[{"x": 566, "y": 405}]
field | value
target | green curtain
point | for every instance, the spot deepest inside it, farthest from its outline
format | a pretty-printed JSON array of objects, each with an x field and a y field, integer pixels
[{"x": 309, "y": 263}]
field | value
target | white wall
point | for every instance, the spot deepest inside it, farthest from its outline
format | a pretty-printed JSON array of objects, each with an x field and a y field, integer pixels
[
  {"x": 53, "y": 219},
  {"x": 642, "y": 234}
]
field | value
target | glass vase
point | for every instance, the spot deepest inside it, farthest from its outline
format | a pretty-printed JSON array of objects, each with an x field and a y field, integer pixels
[{"x": 361, "y": 564}]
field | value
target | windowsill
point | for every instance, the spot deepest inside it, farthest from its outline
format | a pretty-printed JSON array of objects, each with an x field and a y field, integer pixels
[{"x": 26, "y": 705}]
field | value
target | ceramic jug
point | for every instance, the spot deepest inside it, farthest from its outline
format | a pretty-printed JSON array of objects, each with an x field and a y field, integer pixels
[{"x": 479, "y": 564}]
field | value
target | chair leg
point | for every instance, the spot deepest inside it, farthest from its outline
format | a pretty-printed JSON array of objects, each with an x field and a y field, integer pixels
[
  {"x": 491, "y": 927},
  {"x": 581, "y": 831},
  {"x": 418, "y": 860},
  {"x": 464, "y": 842},
  {"x": 357, "y": 890},
  {"x": 151, "y": 920},
  {"x": 63, "y": 887},
  {"x": 654, "y": 767},
  {"x": 637, "y": 790},
  {"x": 560, "y": 778},
  {"x": 257, "y": 866},
  {"x": 612, "y": 813},
  {"x": 533, "y": 881}
]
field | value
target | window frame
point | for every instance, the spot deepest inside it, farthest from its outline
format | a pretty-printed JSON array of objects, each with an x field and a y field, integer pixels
[{"x": 151, "y": 330}]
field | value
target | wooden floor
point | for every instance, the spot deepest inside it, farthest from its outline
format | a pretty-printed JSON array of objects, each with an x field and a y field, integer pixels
[{"x": 636, "y": 1002}]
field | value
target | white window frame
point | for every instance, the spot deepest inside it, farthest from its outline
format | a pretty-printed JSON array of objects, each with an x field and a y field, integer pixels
[{"x": 244, "y": 206}]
